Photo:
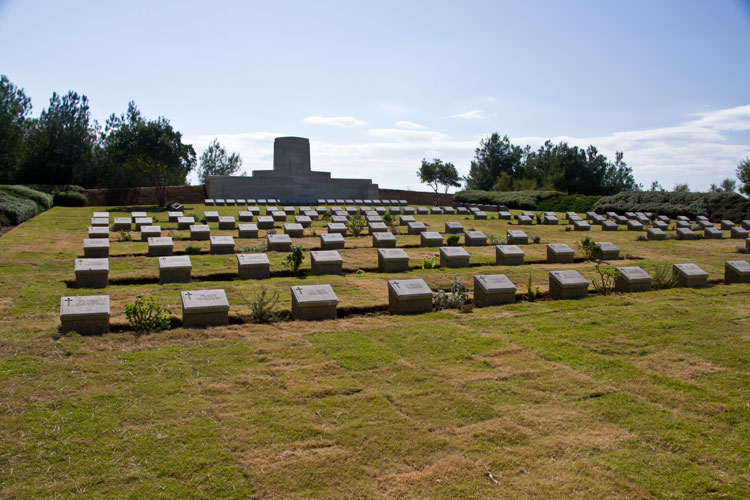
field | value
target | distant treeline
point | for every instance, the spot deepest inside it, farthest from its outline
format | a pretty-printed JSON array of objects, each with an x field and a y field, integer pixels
[{"x": 499, "y": 165}]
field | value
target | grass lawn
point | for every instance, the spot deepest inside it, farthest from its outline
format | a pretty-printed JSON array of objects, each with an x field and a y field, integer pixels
[{"x": 623, "y": 396}]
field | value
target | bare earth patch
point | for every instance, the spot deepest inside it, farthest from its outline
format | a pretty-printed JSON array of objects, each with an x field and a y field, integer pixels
[{"x": 677, "y": 365}]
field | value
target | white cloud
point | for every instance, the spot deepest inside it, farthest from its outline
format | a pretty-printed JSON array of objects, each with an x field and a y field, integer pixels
[
  {"x": 725, "y": 119},
  {"x": 408, "y": 124},
  {"x": 474, "y": 114},
  {"x": 400, "y": 134},
  {"x": 336, "y": 121}
]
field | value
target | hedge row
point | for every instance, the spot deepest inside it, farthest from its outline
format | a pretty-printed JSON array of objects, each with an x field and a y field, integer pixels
[
  {"x": 14, "y": 211},
  {"x": 43, "y": 200},
  {"x": 70, "y": 199},
  {"x": 525, "y": 200},
  {"x": 579, "y": 203},
  {"x": 715, "y": 206}
]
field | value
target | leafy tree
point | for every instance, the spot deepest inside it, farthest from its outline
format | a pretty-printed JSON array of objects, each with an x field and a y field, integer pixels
[
  {"x": 151, "y": 148},
  {"x": 726, "y": 186},
  {"x": 743, "y": 174},
  {"x": 655, "y": 186},
  {"x": 436, "y": 174},
  {"x": 493, "y": 157},
  {"x": 681, "y": 188},
  {"x": 60, "y": 143},
  {"x": 14, "y": 109},
  {"x": 214, "y": 161}
]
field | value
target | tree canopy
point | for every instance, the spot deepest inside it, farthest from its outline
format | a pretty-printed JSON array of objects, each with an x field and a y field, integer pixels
[
  {"x": 743, "y": 174},
  {"x": 436, "y": 174},
  {"x": 14, "y": 109},
  {"x": 214, "y": 161},
  {"x": 502, "y": 166}
]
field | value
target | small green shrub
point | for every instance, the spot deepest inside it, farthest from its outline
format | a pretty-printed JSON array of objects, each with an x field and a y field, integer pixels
[
  {"x": 14, "y": 211},
  {"x": 531, "y": 292},
  {"x": 262, "y": 307},
  {"x": 259, "y": 248},
  {"x": 294, "y": 259},
  {"x": 191, "y": 250},
  {"x": 356, "y": 224},
  {"x": 455, "y": 299},
  {"x": 42, "y": 200},
  {"x": 663, "y": 277},
  {"x": 203, "y": 220},
  {"x": 145, "y": 316},
  {"x": 589, "y": 247},
  {"x": 605, "y": 282},
  {"x": 124, "y": 236},
  {"x": 429, "y": 262},
  {"x": 494, "y": 239},
  {"x": 453, "y": 240},
  {"x": 70, "y": 199}
]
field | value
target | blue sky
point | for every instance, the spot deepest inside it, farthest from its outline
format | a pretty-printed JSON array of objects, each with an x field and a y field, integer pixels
[{"x": 378, "y": 86}]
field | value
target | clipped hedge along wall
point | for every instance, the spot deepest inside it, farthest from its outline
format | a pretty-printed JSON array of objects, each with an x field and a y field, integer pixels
[
  {"x": 715, "y": 206},
  {"x": 14, "y": 211},
  {"x": 70, "y": 199},
  {"x": 579, "y": 203},
  {"x": 416, "y": 197},
  {"x": 43, "y": 200},
  {"x": 525, "y": 200}
]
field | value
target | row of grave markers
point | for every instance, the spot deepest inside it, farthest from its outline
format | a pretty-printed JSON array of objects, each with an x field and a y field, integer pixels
[{"x": 203, "y": 308}]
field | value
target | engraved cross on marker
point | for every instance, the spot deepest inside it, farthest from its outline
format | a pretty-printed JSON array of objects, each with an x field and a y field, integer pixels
[
  {"x": 189, "y": 295},
  {"x": 68, "y": 300},
  {"x": 395, "y": 283}
]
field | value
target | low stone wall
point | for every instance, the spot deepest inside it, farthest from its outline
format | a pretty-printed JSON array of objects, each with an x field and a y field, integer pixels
[
  {"x": 144, "y": 195},
  {"x": 416, "y": 197}
]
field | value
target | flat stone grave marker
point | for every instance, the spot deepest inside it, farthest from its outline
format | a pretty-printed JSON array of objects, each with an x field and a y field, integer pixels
[
  {"x": 219, "y": 202},
  {"x": 96, "y": 248},
  {"x": 516, "y": 237},
  {"x": 85, "y": 314},
  {"x": 143, "y": 221},
  {"x": 325, "y": 262},
  {"x": 332, "y": 241},
  {"x": 598, "y": 219},
  {"x": 608, "y": 225},
  {"x": 621, "y": 220},
  {"x": 509, "y": 255},
  {"x": 430, "y": 239},
  {"x": 409, "y": 297},
  {"x": 682, "y": 224},
  {"x": 288, "y": 210},
  {"x": 524, "y": 220},
  {"x": 493, "y": 290},
  {"x": 99, "y": 215},
  {"x": 504, "y": 215},
  {"x": 278, "y": 216},
  {"x": 374, "y": 218},
  {"x": 200, "y": 232},
  {"x": 279, "y": 242},
  {"x": 173, "y": 216},
  {"x": 436, "y": 210},
  {"x": 211, "y": 216},
  {"x": 123, "y": 224},
  {"x": 655, "y": 234},
  {"x": 241, "y": 201},
  {"x": 208, "y": 202},
  {"x": 551, "y": 220},
  {"x": 634, "y": 225},
  {"x": 568, "y": 284},
  {"x": 632, "y": 279},
  {"x": 383, "y": 239},
  {"x": 606, "y": 251},
  {"x": 475, "y": 239},
  {"x": 226, "y": 222},
  {"x": 381, "y": 211},
  {"x": 175, "y": 269},
  {"x": 98, "y": 232},
  {"x": 92, "y": 273},
  {"x": 454, "y": 257},
  {"x": 701, "y": 217},
  {"x": 745, "y": 224},
  {"x": 711, "y": 233},
  {"x": 405, "y": 219},
  {"x": 221, "y": 245},
  {"x": 684, "y": 233},
  {"x": 99, "y": 222},
  {"x": 202, "y": 308},
  {"x": 136, "y": 215},
  {"x": 579, "y": 225},
  {"x": 247, "y": 231},
  {"x": 303, "y": 220},
  {"x": 311, "y": 214},
  {"x": 459, "y": 211},
  {"x": 230, "y": 201},
  {"x": 392, "y": 260},
  {"x": 449, "y": 210},
  {"x": 453, "y": 227},
  {"x": 294, "y": 230},
  {"x": 422, "y": 211},
  {"x": 313, "y": 302},
  {"x": 337, "y": 227},
  {"x": 480, "y": 215},
  {"x": 185, "y": 222},
  {"x": 739, "y": 233},
  {"x": 339, "y": 219},
  {"x": 254, "y": 210},
  {"x": 265, "y": 222},
  {"x": 690, "y": 275},
  {"x": 160, "y": 246},
  {"x": 394, "y": 210},
  {"x": 559, "y": 253},
  {"x": 253, "y": 266},
  {"x": 377, "y": 227},
  {"x": 416, "y": 227},
  {"x": 661, "y": 225},
  {"x": 150, "y": 232},
  {"x": 350, "y": 210},
  {"x": 736, "y": 271},
  {"x": 704, "y": 224}
]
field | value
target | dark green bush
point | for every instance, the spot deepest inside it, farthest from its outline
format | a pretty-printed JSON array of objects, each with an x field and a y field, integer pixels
[
  {"x": 42, "y": 200},
  {"x": 715, "y": 206},
  {"x": 70, "y": 199},
  {"x": 569, "y": 203},
  {"x": 53, "y": 188},
  {"x": 524, "y": 200},
  {"x": 14, "y": 211}
]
